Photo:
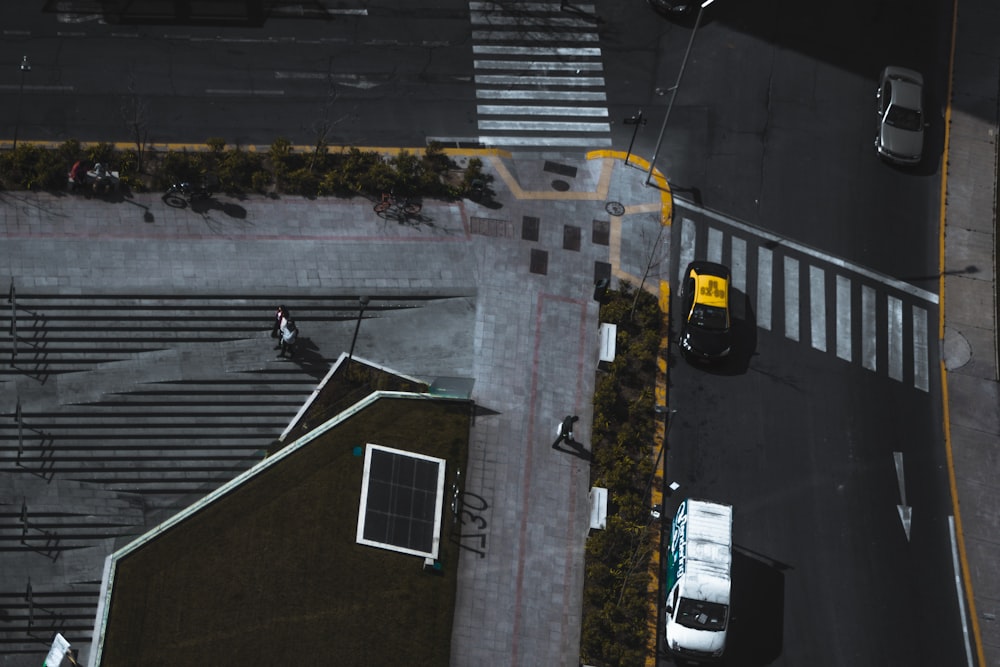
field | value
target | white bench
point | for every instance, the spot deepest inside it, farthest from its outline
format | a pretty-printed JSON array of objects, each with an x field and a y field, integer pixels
[
  {"x": 609, "y": 341},
  {"x": 598, "y": 508}
]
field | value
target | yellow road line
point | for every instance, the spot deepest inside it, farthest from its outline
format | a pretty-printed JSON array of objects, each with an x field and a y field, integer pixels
[{"x": 949, "y": 453}]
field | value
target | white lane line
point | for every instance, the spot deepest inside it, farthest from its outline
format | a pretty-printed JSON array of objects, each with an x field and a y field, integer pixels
[
  {"x": 527, "y": 7},
  {"x": 242, "y": 91},
  {"x": 844, "y": 346},
  {"x": 495, "y": 50},
  {"x": 515, "y": 110},
  {"x": 738, "y": 248},
  {"x": 895, "y": 337},
  {"x": 689, "y": 236},
  {"x": 538, "y": 65},
  {"x": 600, "y": 142},
  {"x": 714, "y": 253},
  {"x": 496, "y": 19},
  {"x": 921, "y": 363},
  {"x": 37, "y": 88},
  {"x": 548, "y": 95},
  {"x": 542, "y": 126},
  {"x": 519, "y": 36},
  {"x": 869, "y": 330},
  {"x": 898, "y": 285},
  {"x": 817, "y": 307},
  {"x": 765, "y": 279},
  {"x": 507, "y": 80},
  {"x": 791, "y": 271},
  {"x": 958, "y": 589}
]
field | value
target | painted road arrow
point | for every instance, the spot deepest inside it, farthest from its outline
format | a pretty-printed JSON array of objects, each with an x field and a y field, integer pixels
[{"x": 905, "y": 511}]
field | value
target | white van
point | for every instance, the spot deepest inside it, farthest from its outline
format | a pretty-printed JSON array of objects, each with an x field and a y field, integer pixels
[{"x": 699, "y": 568}]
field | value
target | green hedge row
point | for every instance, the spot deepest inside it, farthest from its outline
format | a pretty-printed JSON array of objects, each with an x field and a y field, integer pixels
[
  {"x": 615, "y": 598},
  {"x": 233, "y": 170}
]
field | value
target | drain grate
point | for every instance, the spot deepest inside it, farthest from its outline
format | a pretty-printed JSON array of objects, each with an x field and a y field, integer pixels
[
  {"x": 491, "y": 227},
  {"x": 561, "y": 169},
  {"x": 571, "y": 237},
  {"x": 539, "y": 262},
  {"x": 529, "y": 228},
  {"x": 601, "y": 233}
]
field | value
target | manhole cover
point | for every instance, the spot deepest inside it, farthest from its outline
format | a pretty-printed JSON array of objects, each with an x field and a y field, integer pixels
[
  {"x": 615, "y": 208},
  {"x": 560, "y": 185}
]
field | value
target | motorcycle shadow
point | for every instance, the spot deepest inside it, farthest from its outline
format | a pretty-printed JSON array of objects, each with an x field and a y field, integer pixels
[{"x": 205, "y": 205}]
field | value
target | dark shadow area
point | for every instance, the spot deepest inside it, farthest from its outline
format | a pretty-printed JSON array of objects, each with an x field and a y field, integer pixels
[
  {"x": 757, "y": 616},
  {"x": 309, "y": 359},
  {"x": 573, "y": 447}
]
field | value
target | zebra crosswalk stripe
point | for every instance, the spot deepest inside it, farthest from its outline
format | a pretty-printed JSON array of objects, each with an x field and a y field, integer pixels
[
  {"x": 869, "y": 350},
  {"x": 817, "y": 307},
  {"x": 921, "y": 363},
  {"x": 791, "y": 267},
  {"x": 895, "y": 337},
  {"x": 844, "y": 331},
  {"x": 765, "y": 279}
]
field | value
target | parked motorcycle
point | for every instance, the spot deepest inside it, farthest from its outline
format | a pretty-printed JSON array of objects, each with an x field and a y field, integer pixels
[{"x": 188, "y": 192}]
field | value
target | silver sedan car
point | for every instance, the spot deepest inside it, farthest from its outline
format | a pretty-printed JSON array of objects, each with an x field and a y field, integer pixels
[{"x": 900, "y": 107}]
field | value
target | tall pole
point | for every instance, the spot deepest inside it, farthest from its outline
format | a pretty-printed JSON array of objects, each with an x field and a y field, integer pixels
[
  {"x": 25, "y": 67},
  {"x": 673, "y": 94},
  {"x": 363, "y": 301}
]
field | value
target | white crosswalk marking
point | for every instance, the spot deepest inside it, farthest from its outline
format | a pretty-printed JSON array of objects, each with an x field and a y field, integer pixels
[
  {"x": 791, "y": 298},
  {"x": 535, "y": 51},
  {"x": 817, "y": 307},
  {"x": 844, "y": 340},
  {"x": 869, "y": 335},
  {"x": 715, "y": 245},
  {"x": 886, "y": 307},
  {"x": 739, "y": 272},
  {"x": 894, "y": 309},
  {"x": 689, "y": 231},
  {"x": 921, "y": 363},
  {"x": 765, "y": 278}
]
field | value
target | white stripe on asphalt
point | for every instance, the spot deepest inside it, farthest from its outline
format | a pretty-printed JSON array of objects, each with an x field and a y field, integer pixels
[
  {"x": 869, "y": 329},
  {"x": 549, "y": 95},
  {"x": 921, "y": 363},
  {"x": 527, "y": 7},
  {"x": 516, "y": 110},
  {"x": 542, "y": 126},
  {"x": 538, "y": 65},
  {"x": 791, "y": 270},
  {"x": 739, "y": 270},
  {"x": 493, "y": 50},
  {"x": 519, "y": 36},
  {"x": 894, "y": 311},
  {"x": 494, "y": 19},
  {"x": 592, "y": 142},
  {"x": 765, "y": 279},
  {"x": 689, "y": 236},
  {"x": 817, "y": 307},
  {"x": 898, "y": 285},
  {"x": 714, "y": 245},
  {"x": 242, "y": 91},
  {"x": 844, "y": 342},
  {"x": 507, "y": 80}
]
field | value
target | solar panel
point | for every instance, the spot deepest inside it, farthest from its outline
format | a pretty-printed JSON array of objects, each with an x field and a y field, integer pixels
[{"x": 401, "y": 501}]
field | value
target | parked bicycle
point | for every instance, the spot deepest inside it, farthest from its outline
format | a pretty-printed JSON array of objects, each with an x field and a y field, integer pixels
[{"x": 392, "y": 206}]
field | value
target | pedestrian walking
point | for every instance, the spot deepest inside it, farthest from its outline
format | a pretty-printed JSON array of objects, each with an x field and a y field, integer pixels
[
  {"x": 289, "y": 337},
  {"x": 565, "y": 431},
  {"x": 281, "y": 315}
]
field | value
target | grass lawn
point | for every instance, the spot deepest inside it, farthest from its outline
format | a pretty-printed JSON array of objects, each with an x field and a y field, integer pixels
[{"x": 271, "y": 574}]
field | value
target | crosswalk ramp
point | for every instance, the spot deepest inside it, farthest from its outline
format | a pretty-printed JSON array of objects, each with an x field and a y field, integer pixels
[
  {"x": 835, "y": 307},
  {"x": 539, "y": 75}
]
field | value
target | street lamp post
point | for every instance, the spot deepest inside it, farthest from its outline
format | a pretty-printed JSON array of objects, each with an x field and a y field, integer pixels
[
  {"x": 363, "y": 301},
  {"x": 25, "y": 67},
  {"x": 673, "y": 94}
]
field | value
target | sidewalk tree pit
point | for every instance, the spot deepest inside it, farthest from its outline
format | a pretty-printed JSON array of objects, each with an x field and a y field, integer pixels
[{"x": 282, "y": 169}]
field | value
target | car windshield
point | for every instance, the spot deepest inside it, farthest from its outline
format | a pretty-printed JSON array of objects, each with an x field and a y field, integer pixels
[
  {"x": 709, "y": 317},
  {"x": 701, "y": 615},
  {"x": 903, "y": 118}
]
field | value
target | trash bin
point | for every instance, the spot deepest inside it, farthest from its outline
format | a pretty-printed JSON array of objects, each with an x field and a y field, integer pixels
[{"x": 601, "y": 289}]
